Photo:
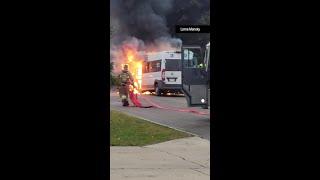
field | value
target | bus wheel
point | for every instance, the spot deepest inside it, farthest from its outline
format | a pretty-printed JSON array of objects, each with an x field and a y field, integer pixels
[{"x": 157, "y": 90}]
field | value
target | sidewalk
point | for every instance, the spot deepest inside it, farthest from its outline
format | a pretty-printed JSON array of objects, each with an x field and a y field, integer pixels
[{"x": 181, "y": 159}]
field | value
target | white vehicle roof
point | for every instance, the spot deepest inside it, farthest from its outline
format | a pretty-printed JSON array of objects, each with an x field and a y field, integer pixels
[{"x": 163, "y": 55}]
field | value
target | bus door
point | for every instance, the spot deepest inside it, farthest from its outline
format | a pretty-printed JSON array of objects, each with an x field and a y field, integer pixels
[{"x": 194, "y": 76}]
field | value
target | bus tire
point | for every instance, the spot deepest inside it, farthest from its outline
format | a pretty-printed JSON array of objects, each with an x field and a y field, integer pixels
[{"x": 157, "y": 90}]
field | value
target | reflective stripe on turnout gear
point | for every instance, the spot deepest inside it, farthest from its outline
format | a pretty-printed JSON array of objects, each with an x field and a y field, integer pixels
[{"x": 124, "y": 76}]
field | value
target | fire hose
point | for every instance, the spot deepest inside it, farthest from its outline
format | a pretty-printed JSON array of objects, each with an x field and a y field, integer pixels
[
  {"x": 134, "y": 99},
  {"x": 174, "y": 109}
]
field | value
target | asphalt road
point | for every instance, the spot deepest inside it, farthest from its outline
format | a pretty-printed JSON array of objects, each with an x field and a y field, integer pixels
[{"x": 171, "y": 111}]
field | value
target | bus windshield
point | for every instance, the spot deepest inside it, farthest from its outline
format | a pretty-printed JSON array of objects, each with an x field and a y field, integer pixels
[{"x": 173, "y": 65}]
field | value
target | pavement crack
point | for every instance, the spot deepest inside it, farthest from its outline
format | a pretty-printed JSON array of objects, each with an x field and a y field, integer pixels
[
  {"x": 200, "y": 171},
  {"x": 177, "y": 156}
]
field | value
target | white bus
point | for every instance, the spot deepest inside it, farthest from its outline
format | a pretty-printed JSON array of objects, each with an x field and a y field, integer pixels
[{"x": 161, "y": 72}]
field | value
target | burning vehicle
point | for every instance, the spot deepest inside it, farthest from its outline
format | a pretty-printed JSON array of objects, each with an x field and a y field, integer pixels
[
  {"x": 158, "y": 72},
  {"x": 162, "y": 72}
]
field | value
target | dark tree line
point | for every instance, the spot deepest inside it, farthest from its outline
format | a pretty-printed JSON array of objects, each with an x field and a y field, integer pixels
[{"x": 114, "y": 81}]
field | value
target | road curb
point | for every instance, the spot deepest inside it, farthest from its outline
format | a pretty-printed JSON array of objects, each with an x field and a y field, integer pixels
[{"x": 158, "y": 123}]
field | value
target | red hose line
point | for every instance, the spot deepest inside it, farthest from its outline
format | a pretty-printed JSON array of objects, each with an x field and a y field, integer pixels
[
  {"x": 137, "y": 103},
  {"x": 174, "y": 109}
]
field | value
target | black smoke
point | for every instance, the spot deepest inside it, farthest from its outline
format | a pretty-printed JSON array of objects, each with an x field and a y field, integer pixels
[
  {"x": 141, "y": 19},
  {"x": 149, "y": 25}
]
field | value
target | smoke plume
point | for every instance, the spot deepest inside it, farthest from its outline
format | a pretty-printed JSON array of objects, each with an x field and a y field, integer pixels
[{"x": 142, "y": 25}]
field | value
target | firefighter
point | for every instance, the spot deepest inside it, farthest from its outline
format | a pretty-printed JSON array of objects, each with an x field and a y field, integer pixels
[{"x": 126, "y": 79}]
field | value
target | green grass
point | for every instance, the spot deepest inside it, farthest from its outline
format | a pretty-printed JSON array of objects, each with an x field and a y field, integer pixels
[{"x": 126, "y": 130}]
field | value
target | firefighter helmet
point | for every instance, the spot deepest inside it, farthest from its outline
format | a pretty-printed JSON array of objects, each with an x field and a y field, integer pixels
[{"x": 125, "y": 67}]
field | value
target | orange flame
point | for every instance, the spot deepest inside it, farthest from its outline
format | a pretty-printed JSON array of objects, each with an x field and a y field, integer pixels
[
  {"x": 135, "y": 91},
  {"x": 134, "y": 62},
  {"x": 133, "y": 59},
  {"x": 147, "y": 92}
]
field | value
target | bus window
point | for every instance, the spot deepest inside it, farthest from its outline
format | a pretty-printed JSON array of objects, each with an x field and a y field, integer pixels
[
  {"x": 145, "y": 68},
  {"x": 158, "y": 65},
  {"x": 155, "y": 66},
  {"x": 173, "y": 65},
  {"x": 192, "y": 59}
]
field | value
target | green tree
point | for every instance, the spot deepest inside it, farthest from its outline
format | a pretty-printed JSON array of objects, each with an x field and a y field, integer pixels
[
  {"x": 111, "y": 67},
  {"x": 114, "y": 80}
]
